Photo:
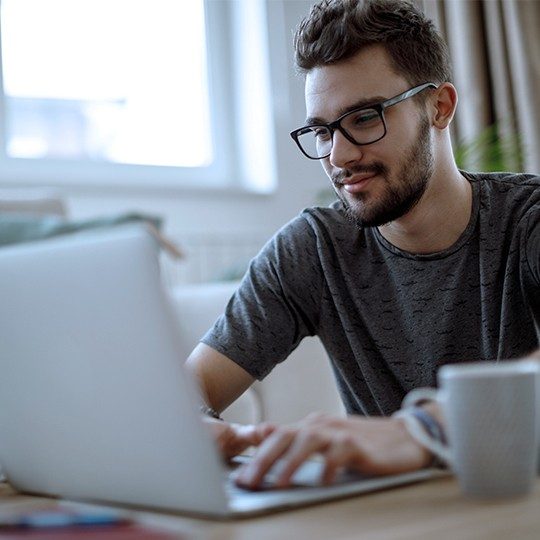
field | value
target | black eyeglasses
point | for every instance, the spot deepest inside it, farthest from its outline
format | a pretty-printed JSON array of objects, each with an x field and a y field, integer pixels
[{"x": 361, "y": 126}]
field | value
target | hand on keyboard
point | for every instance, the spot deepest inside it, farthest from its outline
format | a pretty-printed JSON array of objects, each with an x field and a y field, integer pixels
[
  {"x": 232, "y": 439},
  {"x": 372, "y": 446}
]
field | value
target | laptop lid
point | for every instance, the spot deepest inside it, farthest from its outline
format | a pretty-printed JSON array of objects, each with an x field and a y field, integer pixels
[{"x": 93, "y": 401}]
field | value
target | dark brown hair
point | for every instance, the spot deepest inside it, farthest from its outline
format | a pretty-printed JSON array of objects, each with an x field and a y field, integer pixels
[{"x": 336, "y": 30}]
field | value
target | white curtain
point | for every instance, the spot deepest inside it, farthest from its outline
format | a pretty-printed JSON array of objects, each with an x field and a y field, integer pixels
[{"x": 495, "y": 51}]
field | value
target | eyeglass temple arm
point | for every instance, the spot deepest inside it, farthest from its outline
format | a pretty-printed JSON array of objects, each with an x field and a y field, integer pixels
[{"x": 408, "y": 94}]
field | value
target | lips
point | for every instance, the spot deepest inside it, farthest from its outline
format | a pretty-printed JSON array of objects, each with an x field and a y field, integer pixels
[
  {"x": 357, "y": 182},
  {"x": 356, "y": 178}
]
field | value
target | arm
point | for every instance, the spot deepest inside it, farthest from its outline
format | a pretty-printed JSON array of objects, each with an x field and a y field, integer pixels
[
  {"x": 272, "y": 310},
  {"x": 372, "y": 445},
  {"x": 220, "y": 379}
]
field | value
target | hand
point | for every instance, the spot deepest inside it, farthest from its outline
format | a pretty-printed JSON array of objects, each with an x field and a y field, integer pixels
[
  {"x": 235, "y": 438},
  {"x": 374, "y": 446}
]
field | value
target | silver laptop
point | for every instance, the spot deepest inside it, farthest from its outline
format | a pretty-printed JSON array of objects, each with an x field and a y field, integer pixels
[{"x": 94, "y": 402}]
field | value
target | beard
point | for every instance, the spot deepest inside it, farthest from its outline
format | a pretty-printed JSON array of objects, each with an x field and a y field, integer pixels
[{"x": 402, "y": 192}]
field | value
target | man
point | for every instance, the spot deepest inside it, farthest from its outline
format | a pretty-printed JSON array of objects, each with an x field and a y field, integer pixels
[{"x": 417, "y": 265}]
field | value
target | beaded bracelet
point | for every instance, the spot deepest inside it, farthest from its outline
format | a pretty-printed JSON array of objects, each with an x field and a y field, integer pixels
[{"x": 208, "y": 411}]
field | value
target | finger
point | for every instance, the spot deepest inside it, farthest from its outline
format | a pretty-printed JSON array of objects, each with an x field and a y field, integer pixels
[
  {"x": 266, "y": 429},
  {"x": 231, "y": 443},
  {"x": 221, "y": 431},
  {"x": 252, "y": 435},
  {"x": 252, "y": 474},
  {"x": 340, "y": 454},
  {"x": 232, "y": 439},
  {"x": 261, "y": 432},
  {"x": 305, "y": 445}
]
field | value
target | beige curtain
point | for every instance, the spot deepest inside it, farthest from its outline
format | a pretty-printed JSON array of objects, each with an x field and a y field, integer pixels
[{"x": 495, "y": 50}]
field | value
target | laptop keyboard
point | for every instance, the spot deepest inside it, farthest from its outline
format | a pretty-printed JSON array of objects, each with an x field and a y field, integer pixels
[{"x": 308, "y": 475}]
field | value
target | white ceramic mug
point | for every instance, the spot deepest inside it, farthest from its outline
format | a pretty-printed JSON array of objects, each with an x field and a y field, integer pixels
[{"x": 492, "y": 420}]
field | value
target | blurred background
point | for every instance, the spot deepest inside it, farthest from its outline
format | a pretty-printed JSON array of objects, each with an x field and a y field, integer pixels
[{"x": 181, "y": 109}]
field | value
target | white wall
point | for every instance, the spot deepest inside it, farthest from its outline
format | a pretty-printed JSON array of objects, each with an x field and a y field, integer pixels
[{"x": 220, "y": 212}]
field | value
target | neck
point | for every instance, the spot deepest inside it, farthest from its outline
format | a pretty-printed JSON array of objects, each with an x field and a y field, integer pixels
[{"x": 439, "y": 218}]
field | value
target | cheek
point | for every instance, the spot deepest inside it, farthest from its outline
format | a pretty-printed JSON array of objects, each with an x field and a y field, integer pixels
[
  {"x": 400, "y": 139},
  {"x": 327, "y": 167},
  {"x": 392, "y": 153}
]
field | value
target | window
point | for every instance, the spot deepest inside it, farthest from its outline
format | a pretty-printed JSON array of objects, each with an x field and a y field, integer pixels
[{"x": 117, "y": 92}]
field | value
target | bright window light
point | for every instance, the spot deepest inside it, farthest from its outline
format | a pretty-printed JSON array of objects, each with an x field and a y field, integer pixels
[{"x": 122, "y": 81}]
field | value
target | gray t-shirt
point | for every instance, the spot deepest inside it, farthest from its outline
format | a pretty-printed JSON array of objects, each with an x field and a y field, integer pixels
[{"x": 388, "y": 318}]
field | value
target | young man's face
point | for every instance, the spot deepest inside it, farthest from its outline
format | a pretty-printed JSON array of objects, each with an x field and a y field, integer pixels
[{"x": 382, "y": 181}]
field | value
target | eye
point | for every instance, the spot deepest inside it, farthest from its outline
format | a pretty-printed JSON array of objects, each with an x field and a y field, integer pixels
[
  {"x": 321, "y": 133},
  {"x": 364, "y": 118}
]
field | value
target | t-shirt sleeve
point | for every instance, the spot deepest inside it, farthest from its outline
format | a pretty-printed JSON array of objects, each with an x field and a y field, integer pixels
[
  {"x": 276, "y": 304},
  {"x": 531, "y": 269},
  {"x": 533, "y": 245}
]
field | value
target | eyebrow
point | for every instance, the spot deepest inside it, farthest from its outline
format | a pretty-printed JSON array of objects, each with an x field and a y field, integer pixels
[{"x": 361, "y": 103}]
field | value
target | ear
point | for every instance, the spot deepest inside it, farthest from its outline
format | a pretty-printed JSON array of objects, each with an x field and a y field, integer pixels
[{"x": 444, "y": 105}]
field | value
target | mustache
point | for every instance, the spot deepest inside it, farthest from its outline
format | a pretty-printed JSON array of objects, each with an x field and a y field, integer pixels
[{"x": 375, "y": 168}]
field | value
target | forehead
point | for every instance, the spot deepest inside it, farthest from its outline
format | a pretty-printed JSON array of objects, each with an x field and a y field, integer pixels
[{"x": 367, "y": 76}]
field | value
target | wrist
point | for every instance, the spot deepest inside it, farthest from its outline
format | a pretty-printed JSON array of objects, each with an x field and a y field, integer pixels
[
  {"x": 418, "y": 453},
  {"x": 433, "y": 408},
  {"x": 426, "y": 431}
]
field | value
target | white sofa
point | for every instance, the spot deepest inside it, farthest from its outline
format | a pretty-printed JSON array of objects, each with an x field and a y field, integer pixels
[{"x": 302, "y": 384}]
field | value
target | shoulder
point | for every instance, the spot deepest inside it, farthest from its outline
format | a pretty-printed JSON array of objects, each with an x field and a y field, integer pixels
[
  {"x": 313, "y": 224},
  {"x": 326, "y": 217},
  {"x": 509, "y": 197},
  {"x": 518, "y": 186},
  {"x": 310, "y": 237}
]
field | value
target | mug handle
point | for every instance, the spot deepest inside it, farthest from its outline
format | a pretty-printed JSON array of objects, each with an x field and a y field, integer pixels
[{"x": 441, "y": 450}]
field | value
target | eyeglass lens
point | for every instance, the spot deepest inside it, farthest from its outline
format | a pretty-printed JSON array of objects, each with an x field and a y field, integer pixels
[{"x": 363, "y": 126}]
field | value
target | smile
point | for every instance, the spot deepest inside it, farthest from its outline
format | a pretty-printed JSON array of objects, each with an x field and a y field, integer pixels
[{"x": 357, "y": 182}]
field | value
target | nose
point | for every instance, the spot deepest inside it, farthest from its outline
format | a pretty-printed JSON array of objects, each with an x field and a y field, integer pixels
[{"x": 343, "y": 151}]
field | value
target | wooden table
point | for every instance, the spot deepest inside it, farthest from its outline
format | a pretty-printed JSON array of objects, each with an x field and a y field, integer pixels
[{"x": 431, "y": 510}]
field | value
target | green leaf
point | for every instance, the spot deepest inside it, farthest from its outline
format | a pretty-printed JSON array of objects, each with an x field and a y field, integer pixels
[{"x": 490, "y": 152}]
